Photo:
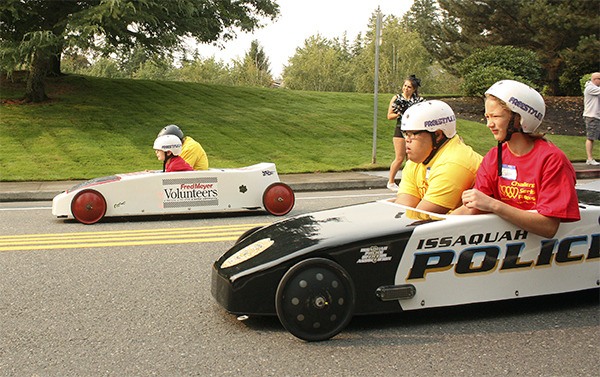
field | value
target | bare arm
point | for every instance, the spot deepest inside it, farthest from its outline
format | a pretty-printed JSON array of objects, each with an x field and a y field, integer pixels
[
  {"x": 463, "y": 210},
  {"x": 412, "y": 201},
  {"x": 474, "y": 200},
  {"x": 391, "y": 115}
]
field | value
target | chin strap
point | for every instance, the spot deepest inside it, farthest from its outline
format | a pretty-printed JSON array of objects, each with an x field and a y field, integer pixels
[
  {"x": 500, "y": 159},
  {"x": 436, "y": 146},
  {"x": 511, "y": 129},
  {"x": 167, "y": 158}
]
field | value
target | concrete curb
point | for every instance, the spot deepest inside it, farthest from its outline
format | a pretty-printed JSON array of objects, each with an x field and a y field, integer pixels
[{"x": 43, "y": 191}]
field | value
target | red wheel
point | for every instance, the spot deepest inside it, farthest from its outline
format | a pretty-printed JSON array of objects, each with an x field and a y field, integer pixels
[
  {"x": 278, "y": 199},
  {"x": 88, "y": 206}
]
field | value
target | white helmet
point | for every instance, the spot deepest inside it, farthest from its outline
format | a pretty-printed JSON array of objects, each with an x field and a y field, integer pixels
[
  {"x": 168, "y": 143},
  {"x": 430, "y": 116},
  {"x": 523, "y": 100}
]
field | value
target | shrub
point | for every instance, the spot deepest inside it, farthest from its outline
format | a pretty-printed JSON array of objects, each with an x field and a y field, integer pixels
[
  {"x": 583, "y": 80},
  {"x": 486, "y": 66},
  {"x": 479, "y": 80}
]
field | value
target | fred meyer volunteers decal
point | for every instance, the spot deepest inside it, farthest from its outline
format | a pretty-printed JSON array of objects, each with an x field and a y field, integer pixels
[{"x": 190, "y": 192}]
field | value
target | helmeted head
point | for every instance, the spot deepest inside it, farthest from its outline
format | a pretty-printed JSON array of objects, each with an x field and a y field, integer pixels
[
  {"x": 168, "y": 143},
  {"x": 426, "y": 127},
  {"x": 430, "y": 116},
  {"x": 521, "y": 99},
  {"x": 172, "y": 129}
]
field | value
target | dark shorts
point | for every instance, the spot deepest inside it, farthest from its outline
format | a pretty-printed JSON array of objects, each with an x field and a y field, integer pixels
[
  {"x": 398, "y": 132},
  {"x": 592, "y": 128}
]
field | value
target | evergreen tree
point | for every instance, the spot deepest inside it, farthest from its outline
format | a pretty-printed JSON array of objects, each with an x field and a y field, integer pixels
[
  {"x": 254, "y": 69},
  {"x": 453, "y": 29}
]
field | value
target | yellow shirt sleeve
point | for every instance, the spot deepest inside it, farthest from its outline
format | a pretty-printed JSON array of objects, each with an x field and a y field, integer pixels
[{"x": 193, "y": 153}]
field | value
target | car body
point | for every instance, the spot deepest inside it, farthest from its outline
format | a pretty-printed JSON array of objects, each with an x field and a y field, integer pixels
[
  {"x": 157, "y": 193},
  {"x": 316, "y": 270}
]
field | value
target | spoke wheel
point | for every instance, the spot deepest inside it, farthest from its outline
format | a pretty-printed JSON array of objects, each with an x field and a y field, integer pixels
[
  {"x": 88, "y": 206},
  {"x": 315, "y": 299},
  {"x": 278, "y": 199}
]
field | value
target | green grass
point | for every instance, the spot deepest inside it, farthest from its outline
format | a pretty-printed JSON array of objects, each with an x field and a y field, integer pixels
[{"x": 94, "y": 127}]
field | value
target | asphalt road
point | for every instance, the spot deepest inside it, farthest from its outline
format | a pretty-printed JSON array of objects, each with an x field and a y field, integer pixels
[{"x": 132, "y": 298}]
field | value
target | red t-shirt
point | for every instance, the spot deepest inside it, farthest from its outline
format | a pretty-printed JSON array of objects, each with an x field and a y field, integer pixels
[
  {"x": 176, "y": 163},
  {"x": 541, "y": 180}
]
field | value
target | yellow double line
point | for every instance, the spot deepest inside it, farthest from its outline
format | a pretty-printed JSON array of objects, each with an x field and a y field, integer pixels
[{"x": 123, "y": 238}]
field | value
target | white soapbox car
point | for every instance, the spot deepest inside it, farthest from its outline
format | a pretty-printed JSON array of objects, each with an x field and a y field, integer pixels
[{"x": 253, "y": 187}]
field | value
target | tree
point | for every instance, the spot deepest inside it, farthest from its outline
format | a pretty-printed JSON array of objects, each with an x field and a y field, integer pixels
[
  {"x": 105, "y": 67},
  {"x": 35, "y": 32},
  {"x": 578, "y": 61},
  {"x": 453, "y": 29},
  {"x": 320, "y": 65},
  {"x": 154, "y": 69},
  {"x": 205, "y": 71},
  {"x": 254, "y": 69},
  {"x": 401, "y": 54}
]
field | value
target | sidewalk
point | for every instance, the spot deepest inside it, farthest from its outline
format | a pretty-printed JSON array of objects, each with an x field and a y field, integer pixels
[{"x": 41, "y": 191}]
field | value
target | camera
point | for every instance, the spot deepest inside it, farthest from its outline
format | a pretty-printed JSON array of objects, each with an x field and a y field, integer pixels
[{"x": 400, "y": 105}]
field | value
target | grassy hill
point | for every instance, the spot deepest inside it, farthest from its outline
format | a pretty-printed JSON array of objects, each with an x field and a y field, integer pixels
[{"x": 94, "y": 127}]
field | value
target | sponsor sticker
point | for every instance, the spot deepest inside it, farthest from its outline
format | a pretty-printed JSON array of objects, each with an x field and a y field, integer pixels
[
  {"x": 248, "y": 252},
  {"x": 190, "y": 192},
  {"x": 374, "y": 254}
]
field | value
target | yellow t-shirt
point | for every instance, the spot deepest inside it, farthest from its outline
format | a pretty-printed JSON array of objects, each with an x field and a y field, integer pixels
[
  {"x": 193, "y": 153},
  {"x": 450, "y": 172}
]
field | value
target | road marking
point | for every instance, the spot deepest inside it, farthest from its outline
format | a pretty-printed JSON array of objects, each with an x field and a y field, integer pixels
[
  {"x": 121, "y": 238},
  {"x": 24, "y": 208}
]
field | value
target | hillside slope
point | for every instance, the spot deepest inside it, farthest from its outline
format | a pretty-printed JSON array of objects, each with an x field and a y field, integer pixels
[{"x": 94, "y": 127}]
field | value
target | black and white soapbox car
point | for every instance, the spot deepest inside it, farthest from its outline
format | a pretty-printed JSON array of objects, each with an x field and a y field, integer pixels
[
  {"x": 157, "y": 193},
  {"x": 315, "y": 271}
]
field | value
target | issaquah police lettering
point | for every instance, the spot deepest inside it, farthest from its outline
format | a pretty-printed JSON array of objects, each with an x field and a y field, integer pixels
[
  {"x": 493, "y": 257},
  {"x": 473, "y": 239}
]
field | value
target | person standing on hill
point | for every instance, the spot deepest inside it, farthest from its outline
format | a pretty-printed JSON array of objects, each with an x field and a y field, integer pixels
[
  {"x": 192, "y": 152},
  {"x": 398, "y": 105},
  {"x": 591, "y": 115}
]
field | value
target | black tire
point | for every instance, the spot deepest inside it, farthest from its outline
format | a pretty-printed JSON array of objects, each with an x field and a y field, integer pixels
[{"x": 315, "y": 299}]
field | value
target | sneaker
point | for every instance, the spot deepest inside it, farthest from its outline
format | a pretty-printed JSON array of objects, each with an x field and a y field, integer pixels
[
  {"x": 392, "y": 186},
  {"x": 588, "y": 162}
]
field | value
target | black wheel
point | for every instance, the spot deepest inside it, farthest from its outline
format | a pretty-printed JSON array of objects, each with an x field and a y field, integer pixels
[
  {"x": 278, "y": 199},
  {"x": 247, "y": 233},
  {"x": 315, "y": 299},
  {"x": 88, "y": 206}
]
